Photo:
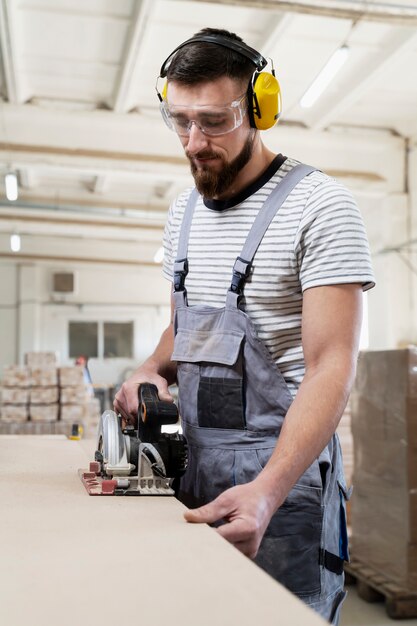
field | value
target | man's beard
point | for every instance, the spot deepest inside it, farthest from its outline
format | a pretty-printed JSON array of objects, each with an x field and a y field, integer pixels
[{"x": 212, "y": 184}]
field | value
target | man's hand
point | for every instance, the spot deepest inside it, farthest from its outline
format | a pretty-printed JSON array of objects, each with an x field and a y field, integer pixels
[
  {"x": 246, "y": 512},
  {"x": 126, "y": 400}
]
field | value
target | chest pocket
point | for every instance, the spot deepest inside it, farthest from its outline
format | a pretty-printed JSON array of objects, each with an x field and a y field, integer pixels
[{"x": 212, "y": 361}]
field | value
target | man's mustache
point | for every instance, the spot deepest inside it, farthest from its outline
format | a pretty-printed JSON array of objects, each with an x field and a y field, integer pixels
[{"x": 202, "y": 155}]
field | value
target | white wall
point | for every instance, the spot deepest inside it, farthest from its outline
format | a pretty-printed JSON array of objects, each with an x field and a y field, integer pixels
[
  {"x": 8, "y": 313},
  {"x": 32, "y": 318},
  {"x": 386, "y": 220}
]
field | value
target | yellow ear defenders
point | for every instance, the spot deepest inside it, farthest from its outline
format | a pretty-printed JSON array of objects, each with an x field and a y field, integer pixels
[{"x": 264, "y": 92}]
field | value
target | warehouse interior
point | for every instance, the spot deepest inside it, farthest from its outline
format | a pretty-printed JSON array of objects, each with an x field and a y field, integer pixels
[{"x": 94, "y": 170}]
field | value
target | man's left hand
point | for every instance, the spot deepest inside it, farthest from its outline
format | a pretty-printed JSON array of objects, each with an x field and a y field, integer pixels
[{"x": 245, "y": 512}]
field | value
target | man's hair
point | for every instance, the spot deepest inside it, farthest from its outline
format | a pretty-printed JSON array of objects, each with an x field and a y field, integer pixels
[{"x": 201, "y": 61}]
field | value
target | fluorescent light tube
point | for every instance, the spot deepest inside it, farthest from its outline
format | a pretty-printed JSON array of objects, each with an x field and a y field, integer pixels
[
  {"x": 326, "y": 75},
  {"x": 11, "y": 186},
  {"x": 15, "y": 243},
  {"x": 159, "y": 255}
]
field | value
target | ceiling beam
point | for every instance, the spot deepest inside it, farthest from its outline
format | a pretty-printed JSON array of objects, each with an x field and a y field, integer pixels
[
  {"x": 17, "y": 256},
  {"x": 124, "y": 158},
  {"x": 276, "y": 30},
  {"x": 50, "y": 198},
  {"x": 344, "y": 9},
  {"x": 140, "y": 20},
  {"x": 163, "y": 174},
  {"x": 45, "y": 217},
  {"x": 8, "y": 53},
  {"x": 95, "y": 232},
  {"x": 330, "y": 108}
]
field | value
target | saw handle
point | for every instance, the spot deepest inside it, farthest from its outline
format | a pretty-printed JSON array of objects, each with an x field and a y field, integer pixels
[{"x": 152, "y": 411}]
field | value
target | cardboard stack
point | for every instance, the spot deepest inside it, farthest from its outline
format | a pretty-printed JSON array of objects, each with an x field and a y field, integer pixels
[
  {"x": 384, "y": 501},
  {"x": 73, "y": 394},
  {"x": 15, "y": 394}
]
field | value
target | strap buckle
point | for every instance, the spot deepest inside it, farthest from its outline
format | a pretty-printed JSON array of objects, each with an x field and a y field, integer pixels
[
  {"x": 180, "y": 272},
  {"x": 241, "y": 272}
]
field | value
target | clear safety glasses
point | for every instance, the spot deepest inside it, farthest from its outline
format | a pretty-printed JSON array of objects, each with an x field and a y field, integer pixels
[{"x": 211, "y": 120}]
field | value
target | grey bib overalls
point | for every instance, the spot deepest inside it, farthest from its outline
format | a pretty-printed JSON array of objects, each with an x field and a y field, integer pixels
[{"x": 233, "y": 400}]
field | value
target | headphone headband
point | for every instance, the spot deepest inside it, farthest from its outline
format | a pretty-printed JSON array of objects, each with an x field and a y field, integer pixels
[{"x": 238, "y": 46}]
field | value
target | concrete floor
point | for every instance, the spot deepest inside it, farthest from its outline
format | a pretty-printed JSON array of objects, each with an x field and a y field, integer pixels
[{"x": 357, "y": 612}]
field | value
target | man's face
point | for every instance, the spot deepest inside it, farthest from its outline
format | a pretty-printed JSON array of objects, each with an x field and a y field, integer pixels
[{"x": 216, "y": 160}]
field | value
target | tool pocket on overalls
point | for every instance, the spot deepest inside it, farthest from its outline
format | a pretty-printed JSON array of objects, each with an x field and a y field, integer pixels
[
  {"x": 289, "y": 551},
  {"x": 220, "y": 401},
  {"x": 290, "y": 548}
]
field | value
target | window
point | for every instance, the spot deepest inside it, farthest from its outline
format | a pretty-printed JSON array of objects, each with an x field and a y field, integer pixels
[
  {"x": 83, "y": 339},
  {"x": 118, "y": 339},
  {"x": 100, "y": 339}
]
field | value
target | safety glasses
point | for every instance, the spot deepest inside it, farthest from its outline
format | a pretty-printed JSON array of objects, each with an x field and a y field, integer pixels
[{"x": 211, "y": 120}]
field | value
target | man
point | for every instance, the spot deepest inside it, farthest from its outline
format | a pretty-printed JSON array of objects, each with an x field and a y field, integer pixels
[{"x": 266, "y": 323}]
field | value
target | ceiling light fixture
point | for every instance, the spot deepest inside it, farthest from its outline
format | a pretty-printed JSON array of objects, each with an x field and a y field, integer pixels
[
  {"x": 10, "y": 181},
  {"x": 324, "y": 78},
  {"x": 15, "y": 243}
]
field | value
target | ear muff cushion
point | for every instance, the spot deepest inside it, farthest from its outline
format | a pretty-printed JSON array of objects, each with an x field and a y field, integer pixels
[{"x": 266, "y": 101}]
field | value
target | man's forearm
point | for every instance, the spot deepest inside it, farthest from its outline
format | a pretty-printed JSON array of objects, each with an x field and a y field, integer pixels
[{"x": 308, "y": 426}]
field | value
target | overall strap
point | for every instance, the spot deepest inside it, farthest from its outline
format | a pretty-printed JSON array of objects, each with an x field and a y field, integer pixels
[
  {"x": 243, "y": 263},
  {"x": 181, "y": 263}
]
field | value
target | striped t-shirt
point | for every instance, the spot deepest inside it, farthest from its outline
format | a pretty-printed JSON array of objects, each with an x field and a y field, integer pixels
[{"x": 316, "y": 238}]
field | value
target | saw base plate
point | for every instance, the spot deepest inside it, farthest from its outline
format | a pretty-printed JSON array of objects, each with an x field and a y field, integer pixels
[{"x": 96, "y": 485}]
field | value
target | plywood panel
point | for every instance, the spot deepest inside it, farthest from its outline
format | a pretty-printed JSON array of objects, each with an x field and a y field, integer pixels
[{"x": 68, "y": 558}]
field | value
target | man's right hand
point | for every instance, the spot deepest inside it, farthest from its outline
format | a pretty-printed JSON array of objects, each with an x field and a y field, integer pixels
[{"x": 126, "y": 400}]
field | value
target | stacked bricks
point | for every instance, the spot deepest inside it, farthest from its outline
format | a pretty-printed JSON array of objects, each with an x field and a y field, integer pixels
[
  {"x": 73, "y": 394},
  {"x": 15, "y": 394},
  {"x": 44, "y": 396},
  {"x": 41, "y": 398}
]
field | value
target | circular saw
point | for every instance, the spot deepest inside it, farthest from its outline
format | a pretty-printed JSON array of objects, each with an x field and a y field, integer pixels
[{"x": 138, "y": 459}]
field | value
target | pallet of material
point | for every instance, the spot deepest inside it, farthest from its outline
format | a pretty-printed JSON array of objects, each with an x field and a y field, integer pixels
[
  {"x": 374, "y": 586},
  {"x": 44, "y": 376},
  {"x": 44, "y": 412},
  {"x": 14, "y": 412},
  {"x": 16, "y": 376},
  {"x": 40, "y": 359},
  {"x": 35, "y": 428},
  {"x": 92, "y": 417},
  {"x": 15, "y": 395},
  {"x": 384, "y": 500},
  {"x": 71, "y": 376},
  {"x": 44, "y": 395},
  {"x": 73, "y": 395},
  {"x": 74, "y": 412}
]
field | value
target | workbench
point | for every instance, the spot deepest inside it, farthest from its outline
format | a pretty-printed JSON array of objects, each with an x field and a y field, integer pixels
[{"x": 69, "y": 559}]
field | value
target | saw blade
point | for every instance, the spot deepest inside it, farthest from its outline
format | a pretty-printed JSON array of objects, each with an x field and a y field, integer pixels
[{"x": 112, "y": 445}]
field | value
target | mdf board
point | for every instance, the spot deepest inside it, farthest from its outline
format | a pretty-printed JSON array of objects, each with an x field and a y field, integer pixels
[{"x": 68, "y": 558}]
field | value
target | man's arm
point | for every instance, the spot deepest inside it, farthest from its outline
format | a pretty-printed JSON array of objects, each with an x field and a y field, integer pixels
[
  {"x": 157, "y": 369},
  {"x": 331, "y": 324}
]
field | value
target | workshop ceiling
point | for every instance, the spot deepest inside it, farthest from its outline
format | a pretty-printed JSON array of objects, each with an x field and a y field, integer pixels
[{"x": 79, "y": 119}]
